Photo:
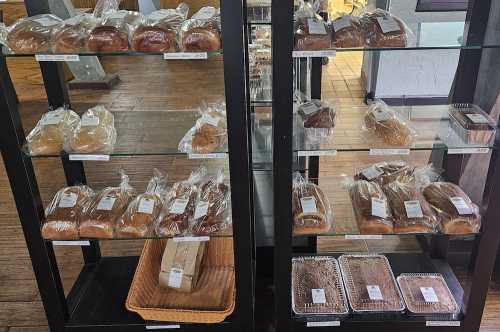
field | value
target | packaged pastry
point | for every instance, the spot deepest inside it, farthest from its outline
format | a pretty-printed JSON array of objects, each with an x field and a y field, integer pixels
[
  {"x": 180, "y": 205},
  {"x": 138, "y": 220},
  {"x": 52, "y": 133},
  {"x": 455, "y": 210},
  {"x": 370, "y": 284},
  {"x": 384, "y": 122},
  {"x": 311, "y": 31},
  {"x": 95, "y": 133},
  {"x": 317, "y": 287},
  {"x": 347, "y": 32},
  {"x": 312, "y": 213},
  {"x": 201, "y": 33},
  {"x": 371, "y": 207},
  {"x": 384, "y": 172},
  {"x": 74, "y": 33},
  {"x": 209, "y": 133},
  {"x": 64, "y": 213},
  {"x": 211, "y": 209},
  {"x": 381, "y": 29},
  {"x": 158, "y": 32},
  {"x": 472, "y": 124},
  {"x": 105, "y": 209},
  {"x": 318, "y": 118},
  {"x": 427, "y": 294}
]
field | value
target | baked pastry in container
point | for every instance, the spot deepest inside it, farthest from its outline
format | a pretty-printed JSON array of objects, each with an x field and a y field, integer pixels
[
  {"x": 318, "y": 118},
  {"x": 384, "y": 122},
  {"x": 74, "y": 33},
  {"x": 112, "y": 32},
  {"x": 385, "y": 172},
  {"x": 381, "y": 29},
  {"x": 33, "y": 34},
  {"x": 472, "y": 124},
  {"x": 201, "y": 33},
  {"x": 347, "y": 32}
]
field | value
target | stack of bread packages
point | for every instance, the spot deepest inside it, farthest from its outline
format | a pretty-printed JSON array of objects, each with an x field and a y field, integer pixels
[
  {"x": 312, "y": 213},
  {"x": 318, "y": 119},
  {"x": 201, "y": 33},
  {"x": 311, "y": 31}
]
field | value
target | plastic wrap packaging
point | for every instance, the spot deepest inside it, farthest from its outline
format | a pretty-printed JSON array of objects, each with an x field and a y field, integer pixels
[
  {"x": 381, "y": 29},
  {"x": 318, "y": 118},
  {"x": 31, "y": 34},
  {"x": 312, "y": 213},
  {"x": 371, "y": 208},
  {"x": 427, "y": 294},
  {"x": 180, "y": 205},
  {"x": 311, "y": 31},
  {"x": 201, "y": 33},
  {"x": 211, "y": 209},
  {"x": 141, "y": 214},
  {"x": 52, "y": 133},
  {"x": 384, "y": 172},
  {"x": 209, "y": 133},
  {"x": 370, "y": 284},
  {"x": 317, "y": 287},
  {"x": 74, "y": 33},
  {"x": 455, "y": 210},
  {"x": 105, "y": 209},
  {"x": 472, "y": 124},
  {"x": 159, "y": 31},
  {"x": 95, "y": 133},
  {"x": 64, "y": 213},
  {"x": 347, "y": 32},
  {"x": 384, "y": 122}
]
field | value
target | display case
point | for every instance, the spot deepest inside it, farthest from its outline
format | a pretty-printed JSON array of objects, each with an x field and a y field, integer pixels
[{"x": 122, "y": 292}]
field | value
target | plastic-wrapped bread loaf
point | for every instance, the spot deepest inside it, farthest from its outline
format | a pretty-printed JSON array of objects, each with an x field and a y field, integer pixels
[
  {"x": 455, "y": 210},
  {"x": 63, "y": 215},
  {"x": 387, "y": 125},
  {"x": 472, "y": 124},
  {"x": 385, "y": 172},
  {"x": 74, "y": 34},
  {"x": 347, "y": 32},
  {"x": 311, "y": 31},
  {"x": 33, "y": 34},
  {"x": 201, "y": 33},
  {"x": 381, "y": 29}
]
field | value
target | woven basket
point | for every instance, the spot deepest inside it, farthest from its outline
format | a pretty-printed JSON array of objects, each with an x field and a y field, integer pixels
[{"x": 212, "y": 300}]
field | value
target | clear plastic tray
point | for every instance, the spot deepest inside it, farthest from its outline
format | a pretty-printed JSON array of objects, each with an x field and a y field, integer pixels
[{"x": 472, "y": 124}]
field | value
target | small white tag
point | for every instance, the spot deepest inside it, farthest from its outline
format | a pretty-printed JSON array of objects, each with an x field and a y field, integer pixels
[
  {"x": 323, "y": 324},
  {"x": 309, "y": 108},
  {"x": 454, "y": 323},
  {"x": 316, "y": 27},
  {"x": 175, "y": 277},
  {"x": 46, "y": 21},
  {"x": 413, "y": 209},
  {"x": 314, "y": 54},
  {"x": 364, "y": 237},
  {"x": 460, "y": 205},
  {"x": 211, "y": 120},
  {"x": 341, "y": 23},
  {"x": 52, "y": 118},
  {"x": 468, "y": 150},
  {"x": 477, "y": 118},
  {"x": 68, "y": 200},
  {"x": 185, "y": 56},
  {"x": 218, "y": 155},
  {"x": 94, "y": 157},
  {"x": 381, "y": 115},
  {"x": 374, "y": 292},
  {"x": 371, "y": 172},
  {"x": 318, "y": 296},
  {"x": 71, "y": 243},
  {"x": 146, "y": 205},
  {"x": 379, "y": 207},
  {"x": 191, "y": 239},
  {"x": 179, "y": 206},
  {"x": 317, "y": 153},
  {"x": 386, "y": 152},
  {"x": 201, "y": 209},
  {"x": 429, "y": 294},
  {"x": 57, "y": 57},
  {"x": 388, "y": 24},
  {"x": 308, "y": 205},
  {"x": 89, "y": 120},
  {"x": 163, "y": 327},
  {"x": 106, "y": 203}
]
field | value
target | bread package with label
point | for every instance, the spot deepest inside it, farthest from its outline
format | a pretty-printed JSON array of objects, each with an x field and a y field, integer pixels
[
  {"x": 317, "y": 114},
  {"x": 312, "y": 213},
  {"x": 347, "y": 32},
  {"x": 52, "y": 133},
  {"x": 158, "y": 32},
  {"x": 181, "y": 265},
  {"x": 64, "y": 213},
  {"x": 472, "y": 124},
  {"x": 386, "y": 124},
  {"x": 455, "y": 210},
  {"x": 381, "y": 29},
  {"x": 95, "y": 133},
  {"x": 180, "y": 205},
  {"x": 74, "y": 33},
  {"x": 371, "y": 207},
  {"x": 384, "y": 172},
  {"x": 209, "y": 134},
  {"x": 105, "y": 209},
  {"x": 311, "y": 31},
  {"x": 201, "y": 33},
  {"x": 141, "y": 214},
  {"x": 211, "y": 213}
]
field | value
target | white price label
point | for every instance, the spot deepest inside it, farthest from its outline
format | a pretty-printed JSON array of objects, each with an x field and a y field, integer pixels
[
  {"x": 89, "y": 157},
  {"x": 175, "y": 277},
  {"x": 371, "y": 172},
  {"x": 201, "y": 209},
  {"x": 317, "y": 153},
  {"x": 429, "y": 294},
  {"x": 461, "y": 206},
  {"x": 318, "y": 296},
  {"x": 363, "y": 237},
  {"x": 106, "y": 203},
  {"x": 89, "y": 120},
  {"x": 163, "y": 327},
  {"x": 341, "y": 23},
  {"x": 52, "y": 118},
  {"x": 57, "y": 57},
  {"x": 314, "y": 54},
  {"x": 374, "y": 292},
  {"x": 71, "y": 243},
  {"x": 179, "y": 206},
  {"x": 309, "y": 107},
  {"x": 219, "y": 155},
  {"x": 468, "y": 150},
  {"x": 413, "y": 209},
  {"x": 387, "y": 152},
  {"x": 186, "y": 56},
  {"x": 477, "y": 118},
  {"x": 68, "y": 200},
  {"x": 453, "y": 323},
  {"x": 381, "y": 115},
  {"x": 46, "y": 21},
  {"x": 192, "y": 239},
  {"x": 388, "y": 24},
  {"x": 211, "y": 120},
  {"x": 308, "y": 205},
  {"x": 323, "y": 324},
  {"x": 316, "y": 27},
  {"x": 146, "y": 205},
  {"x": 379, "y": 207}
]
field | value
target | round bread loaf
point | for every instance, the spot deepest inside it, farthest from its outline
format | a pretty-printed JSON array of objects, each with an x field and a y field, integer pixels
[{"x": 201, "y": 39}]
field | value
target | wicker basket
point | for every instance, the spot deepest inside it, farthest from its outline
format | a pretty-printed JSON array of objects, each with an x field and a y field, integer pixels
[{"x": 211, "y": 302}]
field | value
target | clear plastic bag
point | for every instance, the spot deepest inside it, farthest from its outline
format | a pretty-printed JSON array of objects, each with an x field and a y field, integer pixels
[
  {"x": 311, "y": 31},
  {"x": 312, "y": 213},
  {"x": 95, "y": 133},
  {"x": 211, "y": 209},
  {"x": 382, "y": 29},
  {"x": 386, "y": 124},
  {"x": 180, "y": 205},
  {"x": 347, "y": 32},
  {"x": 138, "y": 220},
  {"x": 201, "y": 33},
  {"x": 64, "y": 213},
  {"x": 384, "y": 172},
  {"x": 52, "y": 132},
  {"x": 105, "y": 209},
  {"x": 209, "y": 133},
  {"x": 73, "y": 34},
  {"x": 318, "y": 118},
  {"x": 160, "y": 29},
  {"x": 104, "y": 6}
]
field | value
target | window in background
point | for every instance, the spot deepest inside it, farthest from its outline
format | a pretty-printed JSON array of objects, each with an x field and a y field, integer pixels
[{"x": 441, "y": 5}]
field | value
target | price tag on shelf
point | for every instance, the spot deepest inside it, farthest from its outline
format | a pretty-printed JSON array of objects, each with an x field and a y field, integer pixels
[
  {"x": 308, "y": 205},
  {"x": 57, "y": 57},
  {"x": 413, "y": 209},
  {"x": 186, "y": 56},
  {"x": 71, "y": 243},
  {"x": 317, "y": 153},
  {"x": 163, "y": 327},
  {"x": 387, "y": 152},
  {"x": 146, "y": 205},
  {"x": 429, "y": 294},
  {"x": 206, "y": 155},
  {"x": 364, "y": 237},
  {"x": 175, "y": 277},
  {"x": 192, "y": 238},
  {"x": 323, "y": 324},
  {"x": 89, "y": 157},
  {"x": 462, "y": 207},
  {"x": 68, "y": 200},
  {"x": 379, "y": 207},
  {"x": 374, "y": 292},
  {"x": 314, "y": 54},
  {"x": 318, "y": 296},
  {"x": 468, "y": 150},
  {"x": 453, "y": 323}
]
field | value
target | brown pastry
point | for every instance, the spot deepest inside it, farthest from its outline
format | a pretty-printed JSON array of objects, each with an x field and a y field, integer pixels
[
  {"x": 207, "y": 139},
  {"x": 33, "y": 34},
  {"x": 347, "y": 32},
  {"x": 108, "y": 39},
  {"x": 215, "y": 195},
  {"x": 201, "y": 39},
  {"x": 387, "y": 125},
  {"x": 374, "y": 34},
  {"x": 385, "y": 172},
  {"x": 472, "y": 124},
  {"x": 304, "y": 40},
  {"x": 324, "y": 118},
  {"x": 154, "y": 39}
]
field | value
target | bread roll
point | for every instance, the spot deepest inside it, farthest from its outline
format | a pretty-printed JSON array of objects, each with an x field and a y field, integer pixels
[
  {"x": 381, "y": 29},
  {"x": 384, "y": 122},
  {"x": 33, "y": 34},
  {"x": 347, "y": 32},
  {"x": 96, "y": 132}
]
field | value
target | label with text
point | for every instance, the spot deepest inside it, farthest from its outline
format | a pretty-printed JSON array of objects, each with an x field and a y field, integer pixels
[
  {"x": 341, "y": 23},
  {"x": 68, "y": 200},
  {"x": 316, "y": 27},
  {"x": 179, "y": 206},
  {"x": 461, "y": 205},
  {"x": 323, "y": 324},
  {"x": 318, "y": 296},
  {"x": 371, "y": 172},
  {"x": 175, "y": 277},
  {"x": 192, "y": 239},
  {"x": 71, "y": 243},
  {"x": 308, "y": 205},
  {"x": 207, "y": 155},
  {"x": 477, "y": 118},
  {"x": 413, "y": 209},
  {"x": 330, "y": 153},
  {"x": 52, "y": 118},
  {"x": 186, "y": 56},
  {"x": 429, "y": 294},
  {"x": 379, "y": 207},
  {"x": 89, "y": 157},
  {"x": 374, "y": 292},
  {"x": 106, "y": 203},
  {"x": 314, "y": 54},
  {"x": 201, "y": 209},
  {"x": 386, "y": 152},
  {"x": 468, "y": 150},
  {"x": 363, "y": 237},
  {"x": 146, "y": 205},
  {"x": 57, "y": 57},
  {"x": 388, "y": 24},
  {"x": 454, "y": 323}
]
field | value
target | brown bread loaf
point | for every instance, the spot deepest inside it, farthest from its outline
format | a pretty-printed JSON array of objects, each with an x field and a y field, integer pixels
[
  {"x": 308, "y": 41},
  {"x": 374, "y": 33},
  {"x": 154, "y": 39},
  {"x": 74, "y": 34},
  {"x": 347, "y": 32},
  {"x": 384, "y": 122},
  {"x": 201, "y": 39},
  {"x": 33, "y": 34}
]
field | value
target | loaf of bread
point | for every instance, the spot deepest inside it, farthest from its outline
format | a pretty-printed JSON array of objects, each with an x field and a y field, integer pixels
[
  {"x": 381, "y": 29},
  {"x": 64, "y": 213},
  {"x": 387, "y": 125},
  {"x": 347, "y": 32},
  {"x": 371, "y": 208},
  {"x": 317, "y": 114},
  {"x": 455, "y": 210},
  {"x": 33, "y": 34},
  {"x": 312, "y": 34},
  {"x": 74, "y": 34},
  {"x": 385, "y": 172},
  {"x": 472, "y": 124},
  {"x": 201, "y": 32}
]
